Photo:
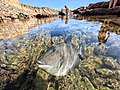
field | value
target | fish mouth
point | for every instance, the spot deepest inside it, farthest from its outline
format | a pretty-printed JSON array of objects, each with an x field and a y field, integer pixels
[
  {"x": 41, "y": 63},
  {"x": 45, "y": 67}
]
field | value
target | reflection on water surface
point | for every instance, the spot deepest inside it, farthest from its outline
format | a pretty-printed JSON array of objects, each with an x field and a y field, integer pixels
[{"x": 15, "y": 28}]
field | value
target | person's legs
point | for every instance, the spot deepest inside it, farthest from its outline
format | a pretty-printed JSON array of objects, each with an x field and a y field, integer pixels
[
  {"x": 115, "y": 2},
  {"x": 66, "y": 14},
  {"x": 111, "y": 3}
]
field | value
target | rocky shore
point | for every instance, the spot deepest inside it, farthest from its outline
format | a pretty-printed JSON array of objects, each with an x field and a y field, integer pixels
[
  {"x": 100, "y": 8},
  {"x": 12, "y": 9}
]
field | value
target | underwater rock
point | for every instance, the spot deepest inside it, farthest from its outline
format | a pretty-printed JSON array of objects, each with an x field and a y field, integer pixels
[
  {"x": 113, "y": 51},
  {"x": 112, "y": 84},
  {"x": 75, "y": 41},
  {"x": 116, "y": 74},
  {"x": 56, "y": 39},
  {"x": 88, "y": 84},
  {"x": 104, "y": 88},
  {"x": 17, "y": 56},
  {"x": 105, "y": 72},
  {"x": 100, "y": 49},
  {"x": 109, "y": 62}
]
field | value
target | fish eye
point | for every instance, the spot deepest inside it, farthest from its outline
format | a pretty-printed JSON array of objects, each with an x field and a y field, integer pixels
[
  {"x": 51, "y": 49},
  {"x": 54, "y": 49}
]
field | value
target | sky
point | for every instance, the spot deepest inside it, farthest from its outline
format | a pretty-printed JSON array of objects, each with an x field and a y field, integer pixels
[{"x": 58, "y": 4}]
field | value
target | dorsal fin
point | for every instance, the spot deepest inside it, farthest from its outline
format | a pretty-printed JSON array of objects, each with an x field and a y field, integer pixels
[{"x": 68, "y": 39}]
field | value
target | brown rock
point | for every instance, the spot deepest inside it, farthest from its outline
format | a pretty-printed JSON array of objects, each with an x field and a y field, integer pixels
[
  {"x": 11, "y": 2},
  {"x": 99, "y": 5},
  {"x": 1, "y": 19},
  {"x": 103, "y": 11},
  {"x": 100, "y": 8},
  {"x": 80, "y": 9},
  {"x": 13, "y": 9}
]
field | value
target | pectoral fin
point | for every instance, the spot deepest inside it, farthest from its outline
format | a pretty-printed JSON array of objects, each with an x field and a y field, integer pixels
[{"x": 80, "y": 57}]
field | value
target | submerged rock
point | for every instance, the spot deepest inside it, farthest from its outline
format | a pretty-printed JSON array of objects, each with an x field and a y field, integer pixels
[
  {"x": 109, "y": 62},
  {"x": 88, "y": 84},
  {"x": 17, "y": 60},
  {"x": 105, "y": 72},
  {"x": 21, "y": 72}
]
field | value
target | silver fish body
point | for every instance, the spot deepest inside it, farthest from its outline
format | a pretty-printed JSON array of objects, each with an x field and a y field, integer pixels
[{"x": 59, "y": 59}]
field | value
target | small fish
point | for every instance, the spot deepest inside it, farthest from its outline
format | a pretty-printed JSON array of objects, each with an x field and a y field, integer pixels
[{"x": 60, "y": 58}]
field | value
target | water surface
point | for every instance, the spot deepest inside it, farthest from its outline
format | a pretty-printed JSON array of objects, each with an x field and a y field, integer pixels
[
  {"x": 89, "y": 31},
  {"x": 22, "y": 51}
]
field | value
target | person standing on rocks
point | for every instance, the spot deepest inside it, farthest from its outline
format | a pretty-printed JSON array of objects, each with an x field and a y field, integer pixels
[
  {"x": 67, "y": 11},
  {"x": 113, "y": 3}
]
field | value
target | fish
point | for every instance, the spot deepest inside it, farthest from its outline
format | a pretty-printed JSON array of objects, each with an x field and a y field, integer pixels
[{"x": 60, "y": 58}]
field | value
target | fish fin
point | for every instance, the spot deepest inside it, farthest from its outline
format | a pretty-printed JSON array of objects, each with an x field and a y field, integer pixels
[
  {"x": 80, "y": 57},
  {"x": 51, "y": 41},
  {"x": 44, "y": 66},
  {"x": 68, "y": 39},
  {"x": 81, "y": 51}
]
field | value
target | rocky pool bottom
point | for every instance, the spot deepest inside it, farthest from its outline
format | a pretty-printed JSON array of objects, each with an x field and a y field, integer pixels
[
  {"x": 18, "y": 58},
  {"x": 19, "y": 70}
]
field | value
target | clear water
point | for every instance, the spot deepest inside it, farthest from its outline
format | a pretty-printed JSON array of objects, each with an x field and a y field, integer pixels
[
  {"x": 89, "y": 31},
  {"x": 21, "y": 52}
]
